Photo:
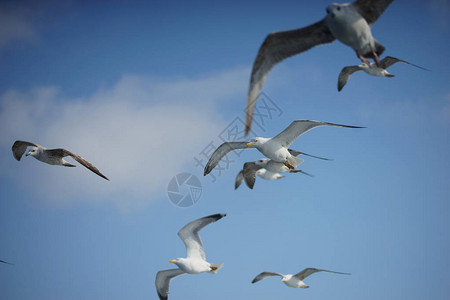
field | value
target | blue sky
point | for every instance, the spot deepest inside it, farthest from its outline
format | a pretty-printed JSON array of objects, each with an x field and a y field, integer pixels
[{"x": 141, "y": 88}]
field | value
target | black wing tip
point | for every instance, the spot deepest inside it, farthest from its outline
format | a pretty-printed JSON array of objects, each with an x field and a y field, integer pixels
[
  {"x": 216, "y": 217},
  {"x": 254, "y": 280},
  {"x": 207, "y": 170},
  {"x": 103, "y": 176},
  {"x": 161, "y": 297},
  {"x": 247, "y": 129}
]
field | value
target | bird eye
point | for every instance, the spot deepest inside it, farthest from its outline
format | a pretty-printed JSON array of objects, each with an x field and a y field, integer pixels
[{"x": 338, "y": 8}]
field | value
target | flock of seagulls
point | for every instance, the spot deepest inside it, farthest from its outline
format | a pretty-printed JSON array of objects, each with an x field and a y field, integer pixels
[
  {"x": 276, "y": 148},
  {"x": 350, "y": 24}
]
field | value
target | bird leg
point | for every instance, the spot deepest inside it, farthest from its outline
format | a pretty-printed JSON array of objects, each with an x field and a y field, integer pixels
[
  {"x": 375, "y": 58},
  {"x": 214, "y": 268},
  {"x": 364, "y": 60},
  {"x": 288, "y": 164}
]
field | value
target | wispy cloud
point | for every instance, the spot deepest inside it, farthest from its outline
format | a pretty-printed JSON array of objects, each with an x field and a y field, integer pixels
[{"x": 139, "y": 132}]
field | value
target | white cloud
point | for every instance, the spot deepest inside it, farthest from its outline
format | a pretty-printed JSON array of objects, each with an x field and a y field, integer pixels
[{"x": 139, "y": 133}]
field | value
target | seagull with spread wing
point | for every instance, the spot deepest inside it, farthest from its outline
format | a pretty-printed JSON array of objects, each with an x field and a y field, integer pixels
[
  {"x": 275, "y": 148},
  {"x": 371, "y": 69},
  {"x": 50, "y": 156},
  {"x": 267, "y": 169},
  {"x": 294, "y": 281},
  {"x": 348, "y": 22},
  {"x": 195, "y": 262}
]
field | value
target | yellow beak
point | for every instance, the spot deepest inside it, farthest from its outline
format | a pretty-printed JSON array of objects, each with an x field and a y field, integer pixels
[
  {"x": 171, "y": 261},
  {"x": 249, "y": 144}
]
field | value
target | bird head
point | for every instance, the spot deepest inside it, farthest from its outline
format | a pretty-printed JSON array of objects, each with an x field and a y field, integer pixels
[
  {"x": 262, "y": 162},
  {"x": 336, "y": 9},
  {"x": 177, "y": 261},
  {"x": 258, "y": 141},
  {"x": 32, "y": 152}
]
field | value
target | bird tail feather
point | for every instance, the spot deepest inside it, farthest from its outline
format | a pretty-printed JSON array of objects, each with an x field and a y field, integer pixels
[
  {"x": 379, "y": 49},
  {"x": 295, "y": 161},
  {"x": 215, "y": 267}
]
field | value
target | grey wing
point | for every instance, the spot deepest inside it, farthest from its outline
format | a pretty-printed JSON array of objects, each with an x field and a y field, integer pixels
[
  {"x": 5, "y": 262},
  {"x": 19, "y": 148},
  {"x": 264, "y": 275},
  {"x": 64, "y": 153},
  {"x": 299, "y": 127},
  {"x": 276, "y": 47},
  {"x": 371, "y": 10},
  {"x": 345, "y": 75},
  {"x": 162, "y": 281},
  {"x": 239, "y": 179},
  {"x": 297, "y": 153},
  {"x": 220, "y": 152},
  {"x": 389, "y": 61},
  {"x": 249, "y": 171},
  {"x": 308, "y": 271},
  {"x": 190, "y": 237}
]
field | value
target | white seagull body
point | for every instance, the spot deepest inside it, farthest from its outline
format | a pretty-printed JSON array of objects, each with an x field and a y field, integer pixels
[
  {"x": 51, "y": 156},
  {"x": 349, "y": 23},
  {"x": 267, "y": 169},
  {"x": 275, "y": 148},
  {"x": 294, "y": 281},
  {"x": 371, "y": 69},
  {"x": 195, "y": 262}
]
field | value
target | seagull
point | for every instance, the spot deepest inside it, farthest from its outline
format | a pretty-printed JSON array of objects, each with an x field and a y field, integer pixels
[
  {"x": 264, "y": 168},
  {"x": 294, "y": 281},
  {"x": 195, "y": 262},
  {"x": 371, "y": 69},
  {"x": 275, "y": 148},
  {"x": 348, "y": 22},
  {"x": 267, "y": 169},
  {"x": 50, "y": 156}
]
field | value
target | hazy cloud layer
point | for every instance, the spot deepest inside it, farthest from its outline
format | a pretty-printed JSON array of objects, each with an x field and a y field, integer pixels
[{"x": 139, "y": 132}]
